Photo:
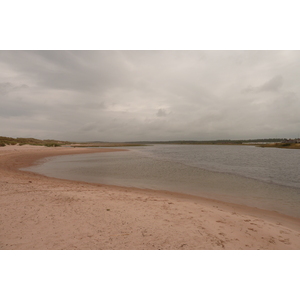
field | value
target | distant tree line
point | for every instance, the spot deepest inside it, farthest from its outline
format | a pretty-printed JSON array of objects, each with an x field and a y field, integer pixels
[{"x": 215, "y": 142}]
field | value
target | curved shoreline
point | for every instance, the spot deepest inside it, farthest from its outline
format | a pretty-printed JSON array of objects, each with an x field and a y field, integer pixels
[{"x": 48, "y": 213}]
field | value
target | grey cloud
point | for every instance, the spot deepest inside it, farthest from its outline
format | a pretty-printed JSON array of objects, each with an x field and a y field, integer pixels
[
  {"x": 273, "y": 84},
  {"x": 134, "y": 95},
  {"x": 15, "y": 108},
  {"x": 7, "y": 87},
  {"x": 68, "y": 70},
  {"x": 161, "y": 113},
  {"x": 89, "y": 127}
]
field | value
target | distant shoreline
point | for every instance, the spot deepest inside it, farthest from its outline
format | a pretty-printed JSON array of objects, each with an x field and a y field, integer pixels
[
  {"x": 268, "y": 142},
  {"x": 48, "y": 213}
]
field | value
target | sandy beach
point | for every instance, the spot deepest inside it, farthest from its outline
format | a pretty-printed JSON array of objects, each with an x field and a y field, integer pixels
[{"x": 38, "y": 212}]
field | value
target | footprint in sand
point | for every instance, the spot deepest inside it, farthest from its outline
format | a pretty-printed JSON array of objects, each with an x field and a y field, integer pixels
[
  {"x": 284, "y": 232},
  {"x": 271, "y": 240},
  {"x": 285, "y": 241}
]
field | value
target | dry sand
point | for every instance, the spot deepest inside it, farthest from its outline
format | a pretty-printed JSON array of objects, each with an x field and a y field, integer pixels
[{"x": 39, "y": 212}]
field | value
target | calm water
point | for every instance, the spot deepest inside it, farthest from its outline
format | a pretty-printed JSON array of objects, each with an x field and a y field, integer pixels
[{"x": 267, "y": 178}]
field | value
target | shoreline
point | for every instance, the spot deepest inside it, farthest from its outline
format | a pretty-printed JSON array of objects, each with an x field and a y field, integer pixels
[{"x": 47, "y": 213}]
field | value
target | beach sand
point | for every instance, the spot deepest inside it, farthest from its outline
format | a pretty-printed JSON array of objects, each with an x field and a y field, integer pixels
[{"x": 38, "y": 212}]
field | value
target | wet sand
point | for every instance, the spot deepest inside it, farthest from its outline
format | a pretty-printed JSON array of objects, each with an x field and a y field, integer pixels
[{"x": 38, "y": 212}]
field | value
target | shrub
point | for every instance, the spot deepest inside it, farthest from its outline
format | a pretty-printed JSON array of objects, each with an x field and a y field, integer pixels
[{"x": 52, "y": 145}]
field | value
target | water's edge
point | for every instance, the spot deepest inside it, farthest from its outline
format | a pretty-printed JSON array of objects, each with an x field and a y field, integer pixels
[{"x": 130, "y": 169}]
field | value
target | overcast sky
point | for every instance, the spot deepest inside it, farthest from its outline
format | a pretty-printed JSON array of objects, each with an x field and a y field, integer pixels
[{"x": 149, "y": 95}]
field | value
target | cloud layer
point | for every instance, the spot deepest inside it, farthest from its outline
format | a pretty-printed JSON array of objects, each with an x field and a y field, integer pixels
[{"x": 149, "y": 95}]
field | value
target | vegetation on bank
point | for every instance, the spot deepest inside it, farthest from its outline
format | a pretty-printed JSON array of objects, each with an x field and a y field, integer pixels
[
  {"x": 216, "y": 142},
  {"x": 281, "y": 145},
  {"x": 270, "y": 143},
  {"x": 54, "y": 143},
  {"x": 267, "y": 143},
  {"x": 30, "y": 141}
]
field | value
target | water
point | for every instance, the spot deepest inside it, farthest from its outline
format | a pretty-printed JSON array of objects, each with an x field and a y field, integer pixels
[{"x": 267, "y": 178}]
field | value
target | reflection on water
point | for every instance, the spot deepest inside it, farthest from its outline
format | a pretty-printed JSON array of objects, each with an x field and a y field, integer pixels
[{"x": 264, "y": 178}]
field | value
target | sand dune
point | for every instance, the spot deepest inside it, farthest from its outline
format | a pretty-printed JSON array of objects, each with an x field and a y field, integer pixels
[{"x": 38, "y": 212}]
